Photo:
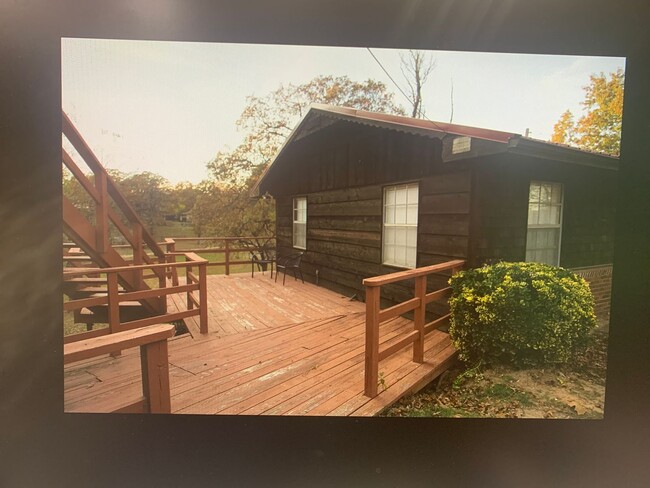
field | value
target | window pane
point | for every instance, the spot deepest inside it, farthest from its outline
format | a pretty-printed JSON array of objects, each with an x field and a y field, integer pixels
[
  {"x": 540, "y": 239},
  {"x": 544, "y": 215},
  {"x": 545, "y": 193},
  {"x": 556, "y": 197},
  {"x": 412, "y": 214},
  {"x": 389, "y": 253},
  {"x": 299, "y": 235},
  {"x": 400, "y": 214},
  {"x": 533, "y": 214},
  {"x": 389, "y": 215},
  {"x": 400, "y": 256},
  {"x": 400, "y": 236},
  {"x": 534, "y": 193},
  {"x": 554, "y": 238},
  {"x": 411, "y": 255},
  {"x": 390, "y": 196},
  {"x": 300, "y": 209},
  {"x": 400, "y": 198},
  {"x": 411, "y": 236},
  {"x": 412, "y": 194},
  {"x": 555, "y": 214},
  {"x": 389, "y": 235}
]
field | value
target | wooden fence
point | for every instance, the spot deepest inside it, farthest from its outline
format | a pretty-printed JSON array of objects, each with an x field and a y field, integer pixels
[
  {"x": 228, "y": 247},
  {"x": 375, "y": 316}
]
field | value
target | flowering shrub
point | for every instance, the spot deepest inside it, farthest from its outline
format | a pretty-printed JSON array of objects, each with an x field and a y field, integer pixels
[{"x": 523, "y": 314}]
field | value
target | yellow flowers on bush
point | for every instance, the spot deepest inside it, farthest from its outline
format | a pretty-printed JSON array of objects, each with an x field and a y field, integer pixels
[{"x": 522, "y": 314}]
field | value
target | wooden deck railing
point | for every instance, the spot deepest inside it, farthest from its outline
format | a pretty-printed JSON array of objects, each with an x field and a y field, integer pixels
[
  {"x": 113, "y": 298},
  {"x": 229, "y": 247},
  {"x": 154, "y": 362},
  {"x": 375, "y": 316}
]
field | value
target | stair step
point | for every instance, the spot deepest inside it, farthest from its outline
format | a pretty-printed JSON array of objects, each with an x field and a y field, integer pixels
[
  {"x": 84, "y": 281},
  {"x": 97, "y": 289},
  {"x": 77, "y": 258},
  {"x": 99, "y": 314}
]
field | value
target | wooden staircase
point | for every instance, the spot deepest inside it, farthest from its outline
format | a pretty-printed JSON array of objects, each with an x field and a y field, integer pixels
[{"x": 92, "y": 247}]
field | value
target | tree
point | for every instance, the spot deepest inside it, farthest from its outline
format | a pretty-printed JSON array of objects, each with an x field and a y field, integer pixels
[
  {"x": 267, "y": 121},
  {"x": 148, "y": 194},
  {"x": 416, "y": 68},
  {"x": 182, "y": 198},
  {"x": 600, "y": 128},
  {"x": 564, "y": 129},
  {"x": 77, "y": 195},
  {"x": 228, "y": 210},
  {"x": 224, "y": 206}
]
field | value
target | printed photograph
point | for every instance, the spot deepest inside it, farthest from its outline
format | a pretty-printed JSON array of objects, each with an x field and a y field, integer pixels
[{"x": 254, "y": 229}]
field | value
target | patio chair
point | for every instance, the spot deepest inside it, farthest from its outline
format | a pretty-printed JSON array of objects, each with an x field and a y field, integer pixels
[
  {"x": 261, "y": 261},
  {"x": 291, "y": 262}
]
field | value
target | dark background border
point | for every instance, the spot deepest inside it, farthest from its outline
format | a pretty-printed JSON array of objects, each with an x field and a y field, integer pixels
[{"x": 41, "y": 446}]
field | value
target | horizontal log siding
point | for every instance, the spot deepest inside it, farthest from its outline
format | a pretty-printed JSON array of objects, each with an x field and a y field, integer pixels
[
  {"x": 344, "y": 190},
  {"x": 501, "y": 210}
]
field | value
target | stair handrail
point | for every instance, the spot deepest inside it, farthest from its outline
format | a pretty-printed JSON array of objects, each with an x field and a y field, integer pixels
[{"x": 104, "y": 184}]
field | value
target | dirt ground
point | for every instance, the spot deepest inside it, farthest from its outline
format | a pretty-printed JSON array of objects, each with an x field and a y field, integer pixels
[{"x": 572, "y": 391}]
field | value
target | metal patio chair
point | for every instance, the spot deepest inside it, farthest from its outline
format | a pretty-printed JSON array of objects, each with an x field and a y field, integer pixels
[
  {"x": 291, "y": 262},
  {"x": 262, "y": 261}
]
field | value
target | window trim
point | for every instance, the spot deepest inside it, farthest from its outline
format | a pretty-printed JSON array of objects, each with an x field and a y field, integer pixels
[
  {"x": 383, "y": 222},
  {"x": 547, "y": 226},
  {"x": 294, "y": 222}
]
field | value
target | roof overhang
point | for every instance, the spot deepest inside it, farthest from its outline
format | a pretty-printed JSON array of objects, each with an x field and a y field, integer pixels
[{"x": 492, "y": 142}]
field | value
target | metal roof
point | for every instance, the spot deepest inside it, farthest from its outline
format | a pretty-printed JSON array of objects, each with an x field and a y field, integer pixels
[
  {"x": 399, "y": 121},
  {"x": 510, "y": 141}
]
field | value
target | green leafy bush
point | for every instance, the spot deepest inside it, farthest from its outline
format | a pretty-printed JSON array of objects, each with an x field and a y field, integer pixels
[{"x": 523, "y": 314}]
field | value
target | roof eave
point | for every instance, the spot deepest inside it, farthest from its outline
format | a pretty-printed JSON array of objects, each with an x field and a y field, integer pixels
[{"x": 540, "y": 149}]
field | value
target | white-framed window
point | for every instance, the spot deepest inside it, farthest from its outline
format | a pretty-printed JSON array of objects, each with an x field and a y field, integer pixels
[
  {"x": 300, "y": 222},
  {"x": 400, "y": 232},
  {"x": 544, "y": 222}
]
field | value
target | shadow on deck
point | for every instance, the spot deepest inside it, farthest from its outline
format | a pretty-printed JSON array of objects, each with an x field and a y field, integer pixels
[{"x": 276, "y": 350}]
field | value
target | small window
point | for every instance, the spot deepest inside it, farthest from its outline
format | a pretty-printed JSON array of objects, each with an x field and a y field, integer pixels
[
  {"x": 399, "y": 245},
  {"x": 300, "y": 222},
  {"x": 544, "y": 223}
]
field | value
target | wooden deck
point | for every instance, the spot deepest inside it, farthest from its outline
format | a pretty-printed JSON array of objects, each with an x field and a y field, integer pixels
[{"x": 272, "y": 350}]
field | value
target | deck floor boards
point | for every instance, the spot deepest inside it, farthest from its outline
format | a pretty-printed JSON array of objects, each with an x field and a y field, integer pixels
[{"x": 271, "y": 349}]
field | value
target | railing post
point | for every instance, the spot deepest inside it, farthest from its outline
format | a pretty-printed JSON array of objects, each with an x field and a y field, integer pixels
[
  {"x": 419, "y": 317},
  {"x": 372, "y": 341},
  {"x": 113, "y": 306},
  {"x": 101, "y": 213},
  {"x": 137, "y": 252},
  {"x": 155, "y": 376},
  {"x": 203, "y": 297},
  {"x": 188, "y": 271},
  {"x": 227, "y": 256},
  {"x": 171, "y": 248}
]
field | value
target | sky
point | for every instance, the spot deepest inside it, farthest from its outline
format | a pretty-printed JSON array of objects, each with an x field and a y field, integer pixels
[{"x": 169, "y": 107}]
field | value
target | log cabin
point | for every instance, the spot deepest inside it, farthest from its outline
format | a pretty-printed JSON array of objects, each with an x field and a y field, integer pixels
[{"x": 364, "y": 194}]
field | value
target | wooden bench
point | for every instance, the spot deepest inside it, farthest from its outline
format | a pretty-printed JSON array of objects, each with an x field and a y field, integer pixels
[{"x": 152, "y": 341}]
